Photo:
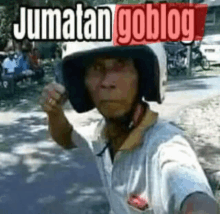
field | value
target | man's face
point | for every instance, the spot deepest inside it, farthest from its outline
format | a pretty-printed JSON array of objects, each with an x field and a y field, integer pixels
[
  {"x": 57, "y": 54},
  {"x": 113, "y": 85},
  {"x": 11, "y": 55}
]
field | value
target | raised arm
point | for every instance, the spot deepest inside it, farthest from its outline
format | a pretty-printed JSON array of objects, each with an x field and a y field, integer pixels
[
  {"x": 53, "y": 96},
  {"x": 61, "y": 130}
]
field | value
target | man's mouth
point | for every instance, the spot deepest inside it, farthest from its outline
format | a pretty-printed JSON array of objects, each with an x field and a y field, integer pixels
[{"x": 110, "y": 101}]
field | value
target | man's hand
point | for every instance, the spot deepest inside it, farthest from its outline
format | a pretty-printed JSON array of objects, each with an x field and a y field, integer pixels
[
  {"x": 53, "y": 97},
  {"x": 199, "y": 203}
]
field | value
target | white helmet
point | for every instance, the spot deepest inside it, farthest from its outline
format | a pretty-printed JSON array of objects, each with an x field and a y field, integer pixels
[{"x": 150, "y": 61}]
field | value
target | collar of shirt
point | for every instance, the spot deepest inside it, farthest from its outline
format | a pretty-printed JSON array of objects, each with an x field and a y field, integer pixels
[{"x": 134, "y": 138}]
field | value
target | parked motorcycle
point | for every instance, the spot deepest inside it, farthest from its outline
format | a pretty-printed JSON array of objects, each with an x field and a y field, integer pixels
[
  {"x": 199, "y": 59},
  {"x": 177, "y": 61}
]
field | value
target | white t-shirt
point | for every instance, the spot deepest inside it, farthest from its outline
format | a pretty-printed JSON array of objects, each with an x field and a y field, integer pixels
[
  {"x": 161, "y": 171},
  {"x": 10, "y": 65}
]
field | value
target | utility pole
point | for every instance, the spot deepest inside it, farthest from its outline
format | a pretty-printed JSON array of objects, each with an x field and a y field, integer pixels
[{"x": 189, "y": 56}]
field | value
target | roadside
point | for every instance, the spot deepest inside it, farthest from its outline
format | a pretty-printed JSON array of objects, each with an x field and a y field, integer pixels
[
  {"x": 202, "y": 124},
  {"x": 201, "y": 121},
  {"x": 198, "y": 72}
]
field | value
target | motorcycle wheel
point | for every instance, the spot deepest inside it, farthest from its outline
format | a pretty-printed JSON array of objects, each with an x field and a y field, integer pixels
[
  {"x": 205, "y": 64},
  {"x": 172, "y": 71}
]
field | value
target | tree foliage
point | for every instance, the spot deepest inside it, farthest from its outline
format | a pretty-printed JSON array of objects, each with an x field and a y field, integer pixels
[{"x": 5, "y": 28}]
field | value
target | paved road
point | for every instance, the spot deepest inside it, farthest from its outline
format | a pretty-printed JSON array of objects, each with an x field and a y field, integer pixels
[
  {"x": 38, "y": 177},
  {"x": 182, "y": 93}
]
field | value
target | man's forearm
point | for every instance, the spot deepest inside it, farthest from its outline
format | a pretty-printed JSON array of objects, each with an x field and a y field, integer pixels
[{"x": 60, "y": 130}]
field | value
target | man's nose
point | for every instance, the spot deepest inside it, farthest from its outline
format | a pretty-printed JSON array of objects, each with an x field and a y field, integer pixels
[{"x": 109, "y": 80}]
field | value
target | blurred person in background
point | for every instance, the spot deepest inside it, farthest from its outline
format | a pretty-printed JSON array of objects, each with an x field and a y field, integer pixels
[
  {"x": 23, "y": 62},
  {"x": 35, "y": 65},
  {"x": 9, "y": 64},
  {"x": 57, "y": 66}
]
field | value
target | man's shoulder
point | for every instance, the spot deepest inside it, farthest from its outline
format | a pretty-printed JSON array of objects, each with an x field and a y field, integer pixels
[
  {"x": 20, "y": 58},
  {"x": 162, "y": 132},
  {"x": 6, "y": 60},
  {"x": 164, "y": 128},
  {"x": 5, "y": 63}
]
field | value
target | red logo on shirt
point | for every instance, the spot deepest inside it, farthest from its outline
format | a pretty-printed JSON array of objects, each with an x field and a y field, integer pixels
[{"x": 138, "y": 202}]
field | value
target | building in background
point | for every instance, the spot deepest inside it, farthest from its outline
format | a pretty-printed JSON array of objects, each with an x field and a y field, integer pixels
[{"x": 212, "y": 25}]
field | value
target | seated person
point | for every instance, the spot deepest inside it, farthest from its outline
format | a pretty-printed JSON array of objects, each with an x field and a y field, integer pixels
[
  {"x": 9, "y": 64},
  {"x": 34, "y": 59},
  {"x": 23, "y": 63},
  {"x": 35, "y": 64}
]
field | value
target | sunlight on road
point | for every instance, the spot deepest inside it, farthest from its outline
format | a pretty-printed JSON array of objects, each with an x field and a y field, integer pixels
[
  {"x": 36, "y": 128},
  {"x": 7, "y": 118},
  {"x": 46, "y": 200},
  {"x": 8, "y": 159},
  {"x": 33, "y": 164},
  {"x": 24, "y": 149}
]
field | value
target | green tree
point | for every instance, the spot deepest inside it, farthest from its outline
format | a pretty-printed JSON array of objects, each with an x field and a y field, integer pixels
[{"x": 5, "y": 28}]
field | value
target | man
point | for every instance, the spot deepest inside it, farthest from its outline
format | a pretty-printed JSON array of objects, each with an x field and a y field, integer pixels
[
  {"x": 9, "y": 67},
  {"x": 34, "y": 59},
  {"x": 35, "y": 65},
  {"x": 57, "y": 66},
  {"x": 23, "y": 63},
  {"x": 9, "y": 64},
  {"x": 146, "y": 165}
]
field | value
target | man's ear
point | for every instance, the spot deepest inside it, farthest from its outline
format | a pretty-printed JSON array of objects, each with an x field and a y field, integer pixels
[
  {"x": 87, "y": 91},
  {"x": 86, "y": 84}
]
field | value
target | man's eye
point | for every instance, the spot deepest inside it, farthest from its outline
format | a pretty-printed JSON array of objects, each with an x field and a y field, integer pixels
[
  {"x": 121, "y": 62},
  {"x": 97, "y": 67}
]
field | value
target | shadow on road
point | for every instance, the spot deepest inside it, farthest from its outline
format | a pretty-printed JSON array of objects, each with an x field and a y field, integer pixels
[
  {"x": 25, "y": 98},
  {"x": 187, "y": 85},
  {"x": 198, "y": 73},
  {"x": 194, "y": 77},
  {"x": 38, "y": 176}
]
